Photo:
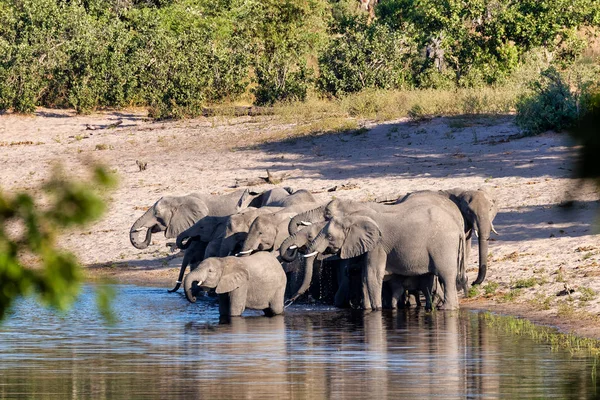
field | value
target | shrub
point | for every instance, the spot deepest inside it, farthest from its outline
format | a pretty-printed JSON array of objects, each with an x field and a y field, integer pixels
[
  {"x": 284, "y": 36},
  {"x": 366, "y": 56},
  {"x": 551, "y": 105}
]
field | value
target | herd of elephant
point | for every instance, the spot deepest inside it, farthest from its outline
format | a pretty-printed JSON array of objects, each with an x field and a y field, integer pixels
[{"x": 247, "y": 246}]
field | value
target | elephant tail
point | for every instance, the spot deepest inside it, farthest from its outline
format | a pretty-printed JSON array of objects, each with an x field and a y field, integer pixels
[{"x": 461, "y": 277}]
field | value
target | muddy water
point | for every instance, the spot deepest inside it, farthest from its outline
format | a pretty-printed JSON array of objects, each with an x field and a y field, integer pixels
[{"x": 163, "y": 347}]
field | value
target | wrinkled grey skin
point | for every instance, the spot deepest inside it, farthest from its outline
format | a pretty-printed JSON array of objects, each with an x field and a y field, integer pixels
[
  {"x": 237, "y": 229},
  {"x": 256, "y": 282},
  {"x": 414, "y": 240},
  {"x": 203, "y": 239},
  {"x": 268, "y": 231},
  {"x": 478, "y": 209},
  {"x": 289, "y": 248},
  {"x": 195, "y": 241},
  {"x": 173, "y": 215},
  {"x": 319, "y": 216},
  {"x": 277, "y": 197},
  {"x": 296, "y": 244},
  {"x": 272, "y": 197},
  {"x": 335, "y": 207}
]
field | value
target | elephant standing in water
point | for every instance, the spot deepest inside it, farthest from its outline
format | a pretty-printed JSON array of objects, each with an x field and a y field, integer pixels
[
  {"x": 257, "y": 282},
  {"x": 478, "y": 209},
  {"x": 414, "y": 240}
]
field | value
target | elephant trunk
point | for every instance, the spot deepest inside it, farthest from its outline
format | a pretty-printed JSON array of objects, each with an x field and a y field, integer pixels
[
  {"x": 311, "y": 216},
  {"x": 147, "y": 221},
  {"x": 484, "y": 227},
  {"x": 308, "y": 274},
  {"x": 249, "y": 245},
  {"x": 317, "y": 246},
  {"x": 181, "y": 272},
  {"x": 183, "y": 240},
  {"x": 285, "y": 252},
  {"x": 190, "y": 278}
]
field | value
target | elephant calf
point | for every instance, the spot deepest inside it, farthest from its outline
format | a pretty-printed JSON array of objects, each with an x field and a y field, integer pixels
[{"x": 256, "y": 282}]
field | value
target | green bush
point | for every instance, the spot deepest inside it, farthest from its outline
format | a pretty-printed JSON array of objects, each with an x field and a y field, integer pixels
[
  {"x": 551, "y": 105},
  {"x": 284, "y": 36},
  {"x": 366, "y": 56},
  {"x": 176, "y": 56}
]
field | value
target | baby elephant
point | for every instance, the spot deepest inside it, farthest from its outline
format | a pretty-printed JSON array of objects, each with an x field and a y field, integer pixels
[{"x": 256, "y": 282}]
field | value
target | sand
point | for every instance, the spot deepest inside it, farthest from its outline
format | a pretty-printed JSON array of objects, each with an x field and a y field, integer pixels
[{"x": 531, "y": 177}]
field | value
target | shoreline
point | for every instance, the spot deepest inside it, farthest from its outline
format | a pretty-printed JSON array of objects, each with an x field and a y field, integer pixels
[{"x": 584, "y": 327}]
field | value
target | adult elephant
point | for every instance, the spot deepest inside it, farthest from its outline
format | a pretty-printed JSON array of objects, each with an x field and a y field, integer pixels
[
  {"x": 414, "y": 240},
  {"x": 173, "y": 214},
  {"x": 478, "y": 209}
]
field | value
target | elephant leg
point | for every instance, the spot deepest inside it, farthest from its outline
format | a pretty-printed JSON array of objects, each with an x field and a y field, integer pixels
[
  {"x": 404, "y": 300},
  {"x": 276, "y": 305},
  {"x": 468, "y": 241},
  {"x": 341, "y": 295},
  {"x": 373, "y": 274},
  {"x": 396, "y": 293},
  {"x": 417, "y": 295},
  {"x": 237, "y": 299},
  {"x": 426, "y": 287},
  {"x": 447, "y": 277},
  {"x": 224, "y": 305}
]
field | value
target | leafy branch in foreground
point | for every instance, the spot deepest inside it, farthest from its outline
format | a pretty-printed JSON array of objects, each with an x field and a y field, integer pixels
[{"x": 30, "y": 261}]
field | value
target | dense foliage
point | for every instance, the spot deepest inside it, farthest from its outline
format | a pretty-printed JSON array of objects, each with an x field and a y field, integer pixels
[
  {"x": 28, "y": 238},
  {"x": 176, "y": 56}
]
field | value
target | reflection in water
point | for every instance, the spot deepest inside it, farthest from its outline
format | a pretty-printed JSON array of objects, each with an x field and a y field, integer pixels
[{"x": 165, "y": 347}]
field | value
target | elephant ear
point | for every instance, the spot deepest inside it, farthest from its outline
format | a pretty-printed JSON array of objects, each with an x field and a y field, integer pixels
[
  {"x": 245, "y": 200},
  {"x": 362, "y": 235},
  {"x": 183, "y": 215},
  {"x": 234, "y": 275}
]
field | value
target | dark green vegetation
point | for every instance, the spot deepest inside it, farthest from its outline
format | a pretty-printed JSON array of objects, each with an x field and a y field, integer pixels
[
  {"x": 28, "y": 237},
  {"x": 176, "y": 56}
]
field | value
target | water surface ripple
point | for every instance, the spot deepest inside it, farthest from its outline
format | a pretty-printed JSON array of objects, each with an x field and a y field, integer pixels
[{"x": 164, "y": 347}]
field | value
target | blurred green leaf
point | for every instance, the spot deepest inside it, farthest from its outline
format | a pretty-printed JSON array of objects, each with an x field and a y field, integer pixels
[{"x": 50, "y": 273}]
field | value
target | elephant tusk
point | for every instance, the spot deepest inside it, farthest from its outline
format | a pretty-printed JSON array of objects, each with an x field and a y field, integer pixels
[
  {"x": 178, "y": 282},
  {"x": 243, "y": 252},
  {"x": 314, "y": 253},
  {"x": 292, "y": 247},
  {"x": 305, "y": 223},
  {"x": 494, "y": 230},
  {"x": 476, "y": 234},
  {"x": 137, "y": 230}
]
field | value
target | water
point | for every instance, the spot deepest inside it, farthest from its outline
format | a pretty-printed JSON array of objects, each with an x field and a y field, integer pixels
[{"x": 163, "y": 347}]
